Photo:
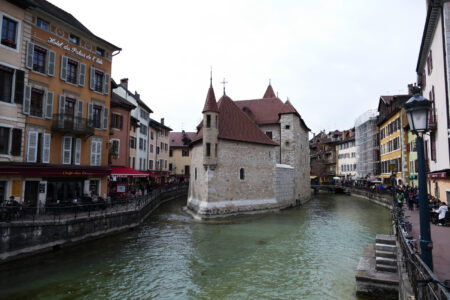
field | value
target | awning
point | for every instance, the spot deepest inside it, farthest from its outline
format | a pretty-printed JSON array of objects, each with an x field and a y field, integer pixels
[
  {"x": 437, "y": 175},
  {"x": 385, "y": 176},
  {"x": 126, "y": 172}
]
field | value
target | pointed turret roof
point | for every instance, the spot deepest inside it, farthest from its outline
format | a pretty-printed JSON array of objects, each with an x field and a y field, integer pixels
[
  {"x": 210, "y": 103},
  {"x": 288, "y": 109},
  {"x": 269, "y": 92}
]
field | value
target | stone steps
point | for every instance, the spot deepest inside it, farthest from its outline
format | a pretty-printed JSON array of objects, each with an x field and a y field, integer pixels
[
  {"x": 386, "y": 268},
  {"x": 386, "y": 247},
  {"x": 387, "y": 254},
  {"x": 385, "y": 239},
  {"x": 386, "y": 261}
]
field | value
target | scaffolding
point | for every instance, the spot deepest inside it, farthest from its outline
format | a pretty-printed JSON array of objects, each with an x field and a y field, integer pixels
[{"x": 366, "y": 144}]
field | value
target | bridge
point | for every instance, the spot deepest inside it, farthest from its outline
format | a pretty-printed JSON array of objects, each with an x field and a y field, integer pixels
[{"x": 338, "y": 189}]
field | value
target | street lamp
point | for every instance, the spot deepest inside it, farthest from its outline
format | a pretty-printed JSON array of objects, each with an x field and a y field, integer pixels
[{"x": 417, "y": 110}]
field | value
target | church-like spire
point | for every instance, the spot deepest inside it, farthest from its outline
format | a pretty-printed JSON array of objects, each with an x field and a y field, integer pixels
[
  {"x": 269, "y": 92},
  {"x": 210, "y": 103}
]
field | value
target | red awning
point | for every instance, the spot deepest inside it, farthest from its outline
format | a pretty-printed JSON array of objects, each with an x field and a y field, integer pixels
[
  {"x": 437, "y": 175},
  {"x": 126, "y": 172}
]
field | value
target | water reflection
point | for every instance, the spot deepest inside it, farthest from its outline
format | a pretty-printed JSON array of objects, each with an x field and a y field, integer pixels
[{"x": 309, "y": 252}]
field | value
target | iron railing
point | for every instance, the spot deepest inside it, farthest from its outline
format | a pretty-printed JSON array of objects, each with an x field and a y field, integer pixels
[
  {"x": 71, "y": 211},
  {"x": 72, "y": 124}
]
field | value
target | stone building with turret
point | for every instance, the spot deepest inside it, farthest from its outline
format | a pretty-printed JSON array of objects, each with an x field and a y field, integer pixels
[{"x": 247, "y": 156}]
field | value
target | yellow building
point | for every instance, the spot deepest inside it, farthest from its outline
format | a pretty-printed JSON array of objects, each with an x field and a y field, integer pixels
[
  {"x": 393, "y": 138},
  {"x": 179, "y": 154},
  {"x": 66, "y": 106}
]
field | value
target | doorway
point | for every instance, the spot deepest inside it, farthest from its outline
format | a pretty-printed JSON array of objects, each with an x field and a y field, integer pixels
[{"x": 31, "y": 193}]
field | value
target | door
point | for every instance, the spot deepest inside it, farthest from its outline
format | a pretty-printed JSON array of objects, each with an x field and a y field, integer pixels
[
  {"x": 69, "y": 110},
  {"x": 31, "y": 192},
  {"x": 3, "y": 196},
  {"x": 186, "y": 170}
]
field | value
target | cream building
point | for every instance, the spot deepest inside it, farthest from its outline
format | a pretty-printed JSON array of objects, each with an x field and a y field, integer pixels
[
  {"x": 248, "y": 156},
  {"x": 179, "y": 153},
  {"x": 346, "y": 156},
  {"x": 433, "y": 73}
]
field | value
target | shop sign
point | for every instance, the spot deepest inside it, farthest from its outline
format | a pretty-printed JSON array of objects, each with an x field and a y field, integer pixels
[
  {"x": 76, "y": 173},
  {"x": 74, "y": 50},
  {"x": 438, "y": 175}
]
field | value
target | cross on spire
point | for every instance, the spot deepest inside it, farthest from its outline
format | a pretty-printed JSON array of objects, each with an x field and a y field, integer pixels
[
  {"x": 210, "y": 79},
  {"x": 224, "y": 82}
]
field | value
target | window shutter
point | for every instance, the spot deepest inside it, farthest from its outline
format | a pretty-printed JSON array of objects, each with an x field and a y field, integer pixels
[
  {"x": 92, "y": 152},
  {"x": 61, "y": 110},
  {"x": 99, "y": 153},
  {"x": 46, "y": 148},
  {"x": 32, "y": 146},
  {"x": 91, "y": 78},
  {"x": 82, "y": 74},
  {"x": 90, "y": 113},
  {"x": 20, "y": 81},
  {"x": 16, "y": 146},
  {"x": 30, "y": 54},
  {"x": 77, "y": 151},
  {"x": 67, "y": 150},
  {"x": 26, "y": 104},
  {"x": 49, "y": 105},
  {"x": 51, "y": 63},
  {"x": 106, "y": 84},
  {"x": 105, "y": 118},
  {"x": 79, "y": 114},
  {"x": 63, "y": 73}
]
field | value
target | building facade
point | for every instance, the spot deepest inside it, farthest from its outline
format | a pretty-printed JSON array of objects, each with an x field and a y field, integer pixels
[
  {"x": 139, "y": 132},
  {"x": 12, "y": 78},
  {"x": 179, "y": 153},
  {"x": 367, "y": 140},
  {"x": 433, "y": 74},
  {"x": 346, "y": 156},
  {"x": 66, "y": 101}
]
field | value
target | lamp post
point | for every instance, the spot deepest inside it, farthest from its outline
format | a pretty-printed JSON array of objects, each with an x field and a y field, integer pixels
[{"x": 417, "y": 110}]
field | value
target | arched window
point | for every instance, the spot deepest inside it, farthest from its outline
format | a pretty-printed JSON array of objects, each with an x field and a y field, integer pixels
[{"x": 242, "y": 174}]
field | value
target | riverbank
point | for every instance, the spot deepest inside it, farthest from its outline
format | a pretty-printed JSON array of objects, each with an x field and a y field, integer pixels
[{"x": 27, "y": 237}]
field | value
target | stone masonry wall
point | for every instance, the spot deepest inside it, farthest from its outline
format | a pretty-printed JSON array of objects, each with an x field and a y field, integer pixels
[
  {"x": 295, "y": 152},
  {"x": 284, "y": 185},
  {"x": 275, "y": 129}
]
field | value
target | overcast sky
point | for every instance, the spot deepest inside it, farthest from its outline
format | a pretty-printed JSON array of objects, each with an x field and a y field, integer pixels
[{"x": 331, "y": 58}]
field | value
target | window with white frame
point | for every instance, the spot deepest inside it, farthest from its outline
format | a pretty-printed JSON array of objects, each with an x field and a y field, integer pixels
[
  {"x": 98, "y": 116},
  {"x": 71, "y": 150},
  {"x": 115, "y": 148},
  {"x": 10, "y": 30},
  {"x": 38, "y": 147},
  {"x": 99, "y": 81}
]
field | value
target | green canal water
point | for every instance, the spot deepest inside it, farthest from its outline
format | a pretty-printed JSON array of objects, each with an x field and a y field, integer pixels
[{"x": 309, "y": 252}]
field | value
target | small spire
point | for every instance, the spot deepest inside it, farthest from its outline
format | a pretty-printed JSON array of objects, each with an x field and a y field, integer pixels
[
  {"x": 269, "y": 82},
  {"x": 224, "y": 82},
  {"x": 210, "y": 79}
]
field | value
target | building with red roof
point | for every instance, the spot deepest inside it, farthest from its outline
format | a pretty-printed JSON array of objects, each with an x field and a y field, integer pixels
[{"x": 248, "y": 155}]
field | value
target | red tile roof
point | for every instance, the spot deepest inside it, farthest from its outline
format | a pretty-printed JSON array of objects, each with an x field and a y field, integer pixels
[
  {"x": 234, "y": 124},
  {"x": 176, "y": 139},
  {"x": 288, "y": 109},
  {"x": 269, "y": 93},
  {"x": 262, "y": 111},
  {"x": 210, "y": 103}
]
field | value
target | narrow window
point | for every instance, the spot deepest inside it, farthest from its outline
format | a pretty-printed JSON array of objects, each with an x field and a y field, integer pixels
[
  {"x": 208, "y": 121},
  {"x": 37, "y": 97},
  {"x": 217, "y": 123},
  {"x": 39, "y": 59},
  {"x": 215, "y": 150},
  {"x": 242, "y": 174},
  {"x": 288, "y": 126},
  {"x": 71, "y": 71},
  {"x": 9, "y": 28},
  {"x": 269, "y": 134},
  {"x": 208, "y": 149},
  {"x": 100, "y": 51},
  {"x": 74, "y": 39},
  {"x": 4, "y": 140},
  {"x": 98, "y": 81},
  {"x": 6, "y": 82},
  {"x": 195, "y": 173},
  {"x": 42, "y": 24}
]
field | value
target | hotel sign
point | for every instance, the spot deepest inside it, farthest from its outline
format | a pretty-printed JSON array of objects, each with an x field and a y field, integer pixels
[{"x": 74, "y": 50}]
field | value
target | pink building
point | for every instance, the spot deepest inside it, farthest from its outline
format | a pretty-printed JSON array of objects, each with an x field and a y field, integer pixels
[{"x": 120, "y": 131}]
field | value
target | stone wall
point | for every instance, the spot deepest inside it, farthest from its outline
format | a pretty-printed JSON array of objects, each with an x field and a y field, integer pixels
[
  {"x": 222, "y": 192},
  {"x": 275, "y": 129},
  {"x": 24, "y": 238},
  {"x": 295, "y": 152},
  {"x": 284, "y": 185}
]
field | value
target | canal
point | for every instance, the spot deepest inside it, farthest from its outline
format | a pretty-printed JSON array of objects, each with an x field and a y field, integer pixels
[{"x": 309, "y": 252}]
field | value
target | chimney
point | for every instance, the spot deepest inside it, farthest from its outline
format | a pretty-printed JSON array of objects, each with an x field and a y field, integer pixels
[
  {"x": 162, "y": 121},
  {"x": 137, "y": 95},
  {"x": 124, "y": 82}
]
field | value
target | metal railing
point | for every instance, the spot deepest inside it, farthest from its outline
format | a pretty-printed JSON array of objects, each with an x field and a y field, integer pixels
[
  {"x": 71, "y": 211},
  {"x": 70, "y": 123}
]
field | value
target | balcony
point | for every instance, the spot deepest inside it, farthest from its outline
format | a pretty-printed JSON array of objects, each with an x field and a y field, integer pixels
[{"x": 66, "y": 123}]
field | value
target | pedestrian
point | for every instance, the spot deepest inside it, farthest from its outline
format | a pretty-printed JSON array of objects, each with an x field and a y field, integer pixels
[
  {"x": 442, "y": 211},
  {"x": 400, "y": 198}
]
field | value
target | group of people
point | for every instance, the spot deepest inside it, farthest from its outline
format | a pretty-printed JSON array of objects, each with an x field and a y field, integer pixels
[{"x": 410, "y": 195}]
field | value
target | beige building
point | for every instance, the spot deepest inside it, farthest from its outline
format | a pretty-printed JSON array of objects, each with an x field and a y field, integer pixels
[
  {"x": 248, "y": 156},
  {"x": 179, "y": 153},
  {"x": 12, "y": 78}
]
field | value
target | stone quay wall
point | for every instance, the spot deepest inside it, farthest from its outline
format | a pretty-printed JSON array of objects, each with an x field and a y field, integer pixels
[
  {"x": 26, "y": 237},
  {"x": 284, "y": 183},
  {"x": 381, "y": 199}
]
